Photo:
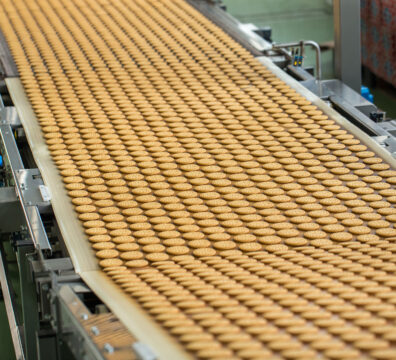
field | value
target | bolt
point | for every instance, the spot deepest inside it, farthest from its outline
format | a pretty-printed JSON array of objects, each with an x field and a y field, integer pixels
[
  {"x": 84, "y": 316},
  {"x": 95, "y": 330},
  {"x": 108, "y": 348}
]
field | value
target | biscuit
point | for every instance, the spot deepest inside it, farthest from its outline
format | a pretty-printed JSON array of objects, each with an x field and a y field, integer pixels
[
  {"x": 128, "y": 246},
  {"x": 200, "y": 252},
  {"x": 341, "y": 236},
  {"x": 251, "y": 246},
  {"x": 152, "y": 248},
  {"x": 99, "y": 238},
  {"x": 157, "y": 256},
  {"x": 136, "y": 263},
  {"x": 88, "y": 216},
  {"x": 107, "y": 254},
  {"x": 103, "y": 245},
  {"x": 131, "y": 255},
  {"x": 224, "y": 245},
  {"x": 296, "y": 241},
  {"x": 110, "y": 263},
  {"x": 177, "y": 250}
]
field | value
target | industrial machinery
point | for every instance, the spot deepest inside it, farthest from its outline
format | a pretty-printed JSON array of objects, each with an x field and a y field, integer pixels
[{"x": 293, "y": 286}]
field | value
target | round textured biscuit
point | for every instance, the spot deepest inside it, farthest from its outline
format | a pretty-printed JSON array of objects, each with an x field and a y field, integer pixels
[
  {"x": 177, "y": 250},
  {"x": 128, "y": 246},
  {"x": 88, "y": 216},
  {"x": 105, "y": 263},
  {"x": 131, "y": 255},
  {"x": 201, "y": 252},
  {"x": 136, "y": 263},
  {"x": 78, "y": 193},
  {"x": 224, "y": 245},
  {"x": 386, "y": 232},
  {"x": 107, "y": 254},
  {"x": 152, "y": 248},
  {"x": 296, "y": 241},
  {"x": 103, "y": 245},
  {"x": 341, "y": 236},
  {"x": 250, "y": 246},
  {"x": 157, "y": 256}
]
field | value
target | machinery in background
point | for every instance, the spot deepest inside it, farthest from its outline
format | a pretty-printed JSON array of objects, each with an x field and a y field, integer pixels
[{"x": 343, "y": 93}]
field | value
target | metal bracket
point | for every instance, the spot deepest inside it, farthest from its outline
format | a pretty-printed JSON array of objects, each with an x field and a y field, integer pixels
[
  {"x": 72, "y": 312},
  {"x": 357, "y": 117},
  {"x": 31, "y": 211},
  {"x": 81, "y": 331},
  {"x": 9, "y": 115},
  {"x": 11, "y": 215},
  {"x": 387, "y": 142},
  {"x": 33, "y": 190},
  {"x": 302, "y": 44}
]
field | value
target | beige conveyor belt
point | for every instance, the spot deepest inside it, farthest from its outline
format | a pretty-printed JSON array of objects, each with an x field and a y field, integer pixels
[{"x": 240, "y": 220}]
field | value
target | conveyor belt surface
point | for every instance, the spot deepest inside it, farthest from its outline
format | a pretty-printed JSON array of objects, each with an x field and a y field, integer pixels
[{"x": 241, "y": 218}]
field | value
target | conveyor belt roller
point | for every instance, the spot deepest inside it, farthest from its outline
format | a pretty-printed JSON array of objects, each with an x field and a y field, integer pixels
[{"x": 240, "y": 217}]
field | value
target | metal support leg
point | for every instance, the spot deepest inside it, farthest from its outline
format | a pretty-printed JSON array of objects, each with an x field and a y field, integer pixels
[
  {"x": 347, "y": 53},
  {"x": 12, "y": 320},
  {"x": 29, "y": 302},
  {"x": 301, "y": 44}
]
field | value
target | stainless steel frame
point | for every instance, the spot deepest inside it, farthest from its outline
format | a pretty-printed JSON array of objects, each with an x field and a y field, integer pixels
[
  {"x": 347, "y": 54},
  {"x": 23, "y": 190},
  {"x": 302, "y": 45}
]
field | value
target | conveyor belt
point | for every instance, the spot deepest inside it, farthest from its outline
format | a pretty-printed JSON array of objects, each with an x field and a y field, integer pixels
[{"x": 241, "y": 218}]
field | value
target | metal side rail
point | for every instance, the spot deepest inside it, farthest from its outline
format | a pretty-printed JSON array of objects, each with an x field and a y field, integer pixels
[{"x": 95, "y": 336}]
